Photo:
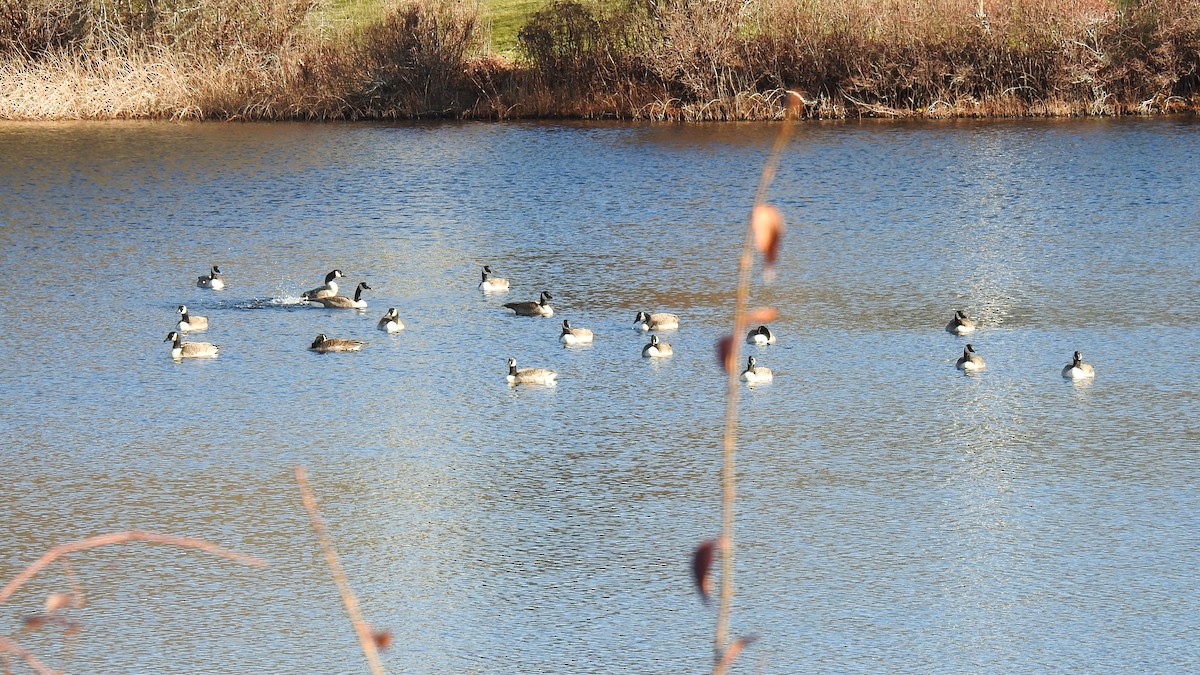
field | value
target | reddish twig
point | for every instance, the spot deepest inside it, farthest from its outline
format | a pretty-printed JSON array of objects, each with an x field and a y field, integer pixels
[
  {"x": 118, "y": 538},
  {"x": 365, "y": 637},
  {"x": 7, "y": 645},
  {"x": 733, "y": 391}
]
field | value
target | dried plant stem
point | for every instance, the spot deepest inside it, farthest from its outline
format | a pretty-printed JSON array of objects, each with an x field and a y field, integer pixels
[
  {"x": 733, "y": 393},
  {"x": 117, "y": 538},
  {"x": 339, "y": 575},
  {"x": 7, "y": 645}
]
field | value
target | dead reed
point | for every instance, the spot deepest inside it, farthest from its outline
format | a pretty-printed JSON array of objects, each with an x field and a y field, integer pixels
[
  {"x": 75, "y": 599},
  {"x": 367, "y": 640},
  {"x": 629, "y": 59}
]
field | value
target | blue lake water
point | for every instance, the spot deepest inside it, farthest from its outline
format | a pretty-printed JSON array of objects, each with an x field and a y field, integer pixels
[{"x": 894, "y": 515}]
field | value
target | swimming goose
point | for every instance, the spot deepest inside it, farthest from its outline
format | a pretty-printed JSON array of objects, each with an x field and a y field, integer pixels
[
  {"x": 1077, "y": 369},
  {"x": 960, "y": 324},
  {"x": 190, "y": 350},
  {"x": 531, "y": 308},
  {"x": 529, "y": 375},
  {"x": 391, "y": 322},
  {"x": 191, "y": 322},
  {"x": 970, "y": 361},
  {"x": 574, "y": 336},
  {"x": 656, "y": 348},
  {"x": 658, "y": 321},
  {"x": 212, "y": 280},
  {"x": 342, "y": 302},
  {"x": 760, "y": 336},
  {"x": 323, "y": 344},
  {"x": 329, "y": 290},
  {"x": 755, "y": 373},
  {"x": 491, "y": 283}
]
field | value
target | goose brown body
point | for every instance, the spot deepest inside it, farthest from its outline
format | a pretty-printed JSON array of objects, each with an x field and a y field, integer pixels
[
  {"x": 491, "y": 283},
  {"x": 574, "y": 336},
  {"x": 960, "y": 324},
  {"x": 211, "y": 280},
  {"x": 656, "y": 321},
  {"x": 189, "y": 322},
  {"x": 342, "y": 302},
  {"x": 529, "y": 375},
  {"x": 328, "y": 290},
  {"x": 324, "y": 344},
  {"x": 537, "y": 307},
  {"x": 970, "y": 361},
  {"x": 190, "y": 350},
  {"x": 1077, "y": 369},
  {"x": 656, "y": 349},
  {"x": 755, "y": 373}
]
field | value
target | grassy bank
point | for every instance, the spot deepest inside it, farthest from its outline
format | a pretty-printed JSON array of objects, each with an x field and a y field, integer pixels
[{"x": 631, "y": 59}]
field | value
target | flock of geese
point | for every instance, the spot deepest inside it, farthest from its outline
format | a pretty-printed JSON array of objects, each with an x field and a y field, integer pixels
[
  {"x": 326, "y": 295},
  {"x": 971, "y": 362}
]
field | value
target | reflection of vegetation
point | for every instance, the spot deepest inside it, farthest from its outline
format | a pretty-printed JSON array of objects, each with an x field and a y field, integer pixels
[{"x": 661, "y": 59}]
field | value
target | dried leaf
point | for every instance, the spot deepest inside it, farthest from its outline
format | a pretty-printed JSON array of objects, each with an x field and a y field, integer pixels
[
  {"x": 34, "y": 621},
  {"x": 57, "y": 601},
  {"x": 702, "y": 560},
  {"x": 766, "y": 223},
  {"x": 736, "y": 648},
  {"x": 762, "y": 315},
  {"x": 725, "y": 353},
  {"x": 382, "y": 638}
]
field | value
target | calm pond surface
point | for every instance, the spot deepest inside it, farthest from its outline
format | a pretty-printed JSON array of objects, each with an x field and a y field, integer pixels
[{"x": 893, "y": 515}]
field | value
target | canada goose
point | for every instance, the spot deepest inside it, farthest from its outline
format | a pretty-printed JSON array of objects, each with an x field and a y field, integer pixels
[
  {"x": 970, "y": 360},
  {"x": 190, "y": 350},
  {"x": 342, "y": 302},
  {"x": 329, "y": 290},
  {"x": 760, "y": 336},
  {"x": 391, "y": 322},
  {"x": 960, "y": 324},
  {"x": 212, "y": 280},
  {"x": 656, "y": 348},
  {"x": 191, "y": 322},
  {"x": 574, "y": 336},
  {"x": 491, "y": 283},
  {"x": 529, "y": 375},
  {"x": 659, "y": 321},
  {"x": 1077, "y": 369},
  {"x": 754, "y": 373},
  {"x": 531, "y": 308},
  {"x": 323, "y": 344}
]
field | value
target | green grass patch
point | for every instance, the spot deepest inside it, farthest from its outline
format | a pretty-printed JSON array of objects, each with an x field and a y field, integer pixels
[
  {"x": 506, "y": 18},
  {"x": 335, "y": 16}
]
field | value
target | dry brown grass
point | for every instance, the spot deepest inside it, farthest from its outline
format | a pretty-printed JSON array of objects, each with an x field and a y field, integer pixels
[{"x": 643, "y": 59}]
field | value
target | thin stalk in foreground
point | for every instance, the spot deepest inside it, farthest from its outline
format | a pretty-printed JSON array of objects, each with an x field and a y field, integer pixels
[
  {"x": 116, "y": 538},
  {"x": 361, "y": 627},
  {"x": 733, "y": 392}
]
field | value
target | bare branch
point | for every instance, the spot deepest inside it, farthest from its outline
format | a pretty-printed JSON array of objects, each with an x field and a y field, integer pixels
[
  {"x": 119, "y": 538},
  {"x": 365, "y": 637},
  {"x": 7, "y": 645}
]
